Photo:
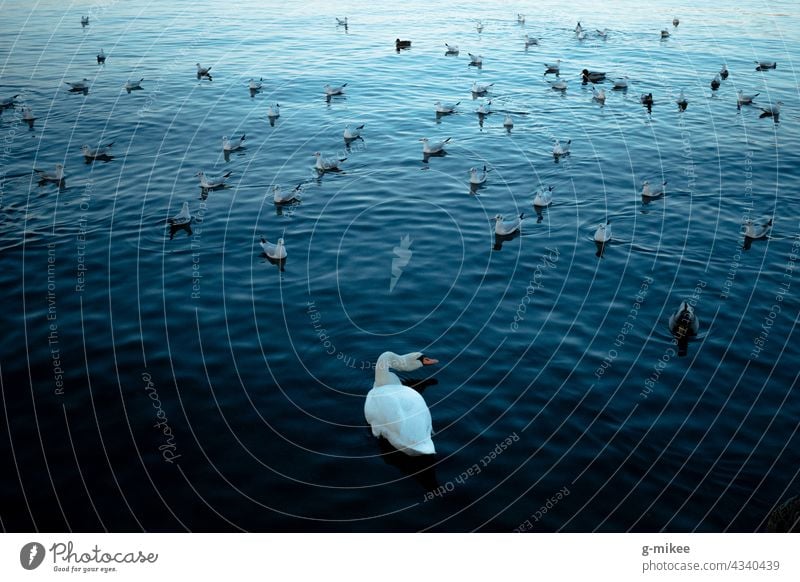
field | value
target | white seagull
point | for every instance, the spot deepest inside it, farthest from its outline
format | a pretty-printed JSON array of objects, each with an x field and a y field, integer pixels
[
  {"x": 772, "y": 110},
  {"x": 434, "y": 147},
  {"x": 101, "y": 151},
  {"x": 330, "y": 91},
  {"x": 647, "y": 192},
  {"x": 445, "y": 108},
  {"x": 452, "y": 49},
  {"x": 476, "y": 178},
  {"x": 27, "y": 114},
  {"x": 530, "y": 41},
  {"x": 230, "y": 145},
  {"x": 475, "y": 59},
  {"x": 327, "y": 165},
  {"x": 81, "y": 85},
  {"x": 276, "y": 252},
  {"x": 341, "y": 21},
  {"x": 508, "y": 123},
  {"x": 602, "y": 33},
  {"x": 479, "y": 26},
  {"x": 133, "y": 85},
  {"x": 255, "y": 85},
  {"x": 212, "y": 182},
  {"x": 543, "y": 198},
  {"x": 351, "y": 134},
  {"x": 520, "y": 19},
  {"x": 84, "y": 20},
  {"x": 603, "y": 233},
  {"x": 553, "y": 67},
  {"x": 183, "y": 217},
  {"x": 284, "y": 198},
  {"x": 202, "y": 71},
  {"x": 274, "y": 111},
  {"x": 599, "y": 96},
  {"x": 481, "y": 88},
  {"x": 56, "y": 176},
  {"x": 757, "y": 231},
  {"x": 743, "y": 99},
  {"x": 561, "y": 150},
  {"x": 484, "y": 108},
  {"x": 558, "y": 85},
  {"x": 506, "y": 228}
]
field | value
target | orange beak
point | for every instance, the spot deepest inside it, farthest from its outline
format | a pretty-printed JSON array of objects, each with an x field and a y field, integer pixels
[{"x": 429, "y": 361}]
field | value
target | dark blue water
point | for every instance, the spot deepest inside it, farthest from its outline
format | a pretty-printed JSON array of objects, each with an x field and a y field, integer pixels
[{"x": 169, "y": 383}]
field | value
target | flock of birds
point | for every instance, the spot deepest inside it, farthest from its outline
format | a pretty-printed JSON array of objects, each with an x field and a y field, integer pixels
[{"x": 395, "y": 411}]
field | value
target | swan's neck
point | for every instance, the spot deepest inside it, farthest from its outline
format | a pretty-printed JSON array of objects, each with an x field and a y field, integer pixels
[{"x": 385, "y": 361}]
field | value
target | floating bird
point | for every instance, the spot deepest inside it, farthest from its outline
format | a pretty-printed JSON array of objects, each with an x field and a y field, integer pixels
[
  {"x": 772, "y": 110},
  {"x": 715, "y": 83},
  {"x": 275, "y": 252},
  {"x": 553, "y": 68},
  {"x": 543, "y": 198},
  {"x": 255, "y": 85},
  {"x": 756, "y": 232},
  {"x": 100, "y": 152},
  {"x": 134, "y": 85},
  {"x": 723, "y": 73},
  {"x": 647, "y": 99},
  {"x": 452, "y": 49},
  {"x": 481, "y": 88},
  {"x": 445, "y": 109},
  {"x": 581, "y": 35},
  {"x": 484, "y": 108},
  {"x": 476, "y": 60},
  {"x": 27, "y": 115},
  {"x": 396, "y": 412},
  {"x": 84, "y": 20},
  {"x": 592, "y": 76},
  {"x": 479, "y": 26},
  {"x": 230, "y": 145},
  {"x": 351, "y": 134},
  {"x": 506, "y": 228},
  {"x": 578, "y": 28},
  {"x": 212, "y": 182},
  {"x": 602, "y": 33},
  {"x": 599, "y": 96},
  {"x": 508, "y": 123},
  {"x": 402, "y": 44},
  {"x": 101, "y": 57},
  {"x": 81, "y": 85},
  {"x": 9, "y": 102},
  {"x": 203, "y": 71},
  {"x": 653, "y": 193},
  {"x": 520, "y": 19},
  {"x": 684, "y": 323},
  {"x": 621, "y": 83},
  {"x": 675, "y": 21},
  {"x": 476, "y": 178},
  {"x": 665, "y": 33},
  {"x": 341, "y": 21},
  {"x": 183, "y": 217},
  {"x": 764, "y": 65},
  {"x": 274, "y": 111},
  {"x": 436, "y": 147},
  {"x": 743, "y": 99},
  {"x": 682, "y": 102},
  {"x": 327, "y": 165},
  {"x": 330, "y": 91},
  {"x": 561, "y": 150},
  {"x": 559, "y": 85},
  {"x": 603, "y": 233},
  {"x": 57, "y": 176},
  {"x": 530, "y": 41},
  {"x": 280, "y": 198}
]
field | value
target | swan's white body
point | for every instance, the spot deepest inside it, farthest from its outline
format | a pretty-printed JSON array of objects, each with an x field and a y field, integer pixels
[
  {"x": 273, "y": 251},
  {"x": 396, "y": 412},
  {"x": 603, "y": 233},
  {"x": 432, "y": 147},
  {"x": 506, "y": 228},
  {"x": 230, "y": 145},
  {"x": 543, "y": 197},
  {"x": 183, "y": 217},
  {"x": 211, "y": 182},
  {"x": 648, "y": 193}
]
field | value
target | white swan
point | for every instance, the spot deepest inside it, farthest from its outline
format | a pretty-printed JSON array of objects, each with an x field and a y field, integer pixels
[{"x": 396, "y": 412}]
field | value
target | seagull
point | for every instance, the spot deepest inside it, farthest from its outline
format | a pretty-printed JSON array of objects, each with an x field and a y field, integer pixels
[
  {"x": 329, "y": 91},
  {"x": 281, "y": 198},
  {"x": 9, "y": 102},
  {"x": 479, "y": 26},
  {"x": 27, "y": 115},
  {"x": 675, "y": 21},
  {"x": 402, "y": 44},
  {"x": 602, "y": 33},
  {"x": 578, "y": 28},
  {"x": 715, "y": 83},
  {"x": 682, "y": 102},
  {"x": 543, "y": 198},
  {"x": 508, "y": 123},
  {"x": 561, "y": 150},
  {"x": 665, "y": 33},
  {"x": 599, "y": 96},
  {"x": 81, "y": 85},
  {"x": 772, "y": 111},
  {"x": 743, "y": 99},
  {"x": 648, "y": 193},
  {"x": 341, "y": 21},
  {"x": 452, "y": 49},
  {"x": 530, "y": 41},
  {"x": 230, "y": 145},
  {"x": 274, "y": 111},
  {"x": 212, "y": 182},
  {"x": 603, "y": 233},
  {"x": 203, "y": 71},
  {"x": 327, "y": 165},
  {"x": 84, "y": 20},
  {"x": 683, "y": 323},
  {"x": 475, "y": 178},
  {"x": 433, "y": 148},
  {"x": 553, "y": 68},
  {"x": 56, "y": 176},
  {"x": 481, "y": 88},
  {"x": 484, "y": 108},
  {"x": 724, "y": 72},
  {"x": 183, "y": 217},
  {"x": 476, "y": 60},
  {"x": 276, "y": 252},
  {"x": 647, "y": 99},
  {"x": 445, "y": 109},
  {"x": 559, "y": 85},
  {"x": 621, "y": 83},
  {"x": 103, "y": 151},
  {"x": 520, "y": 18},
  {"x": 101, "y": 56},
  {"x": 351, "y": 134},
  {"x": 134, "y": 85},
  {"x": 592, "y": 76},
  {"x": 580, "y": 35},
  {"x": 754, "y": 232},
  {"x": 506, "y": 228},
  {"x": 764, "y": 65},
  {"x": 255, "y": 85}
]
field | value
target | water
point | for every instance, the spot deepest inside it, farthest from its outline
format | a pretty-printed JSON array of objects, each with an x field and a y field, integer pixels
[{"x": 186, "y": 383}]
